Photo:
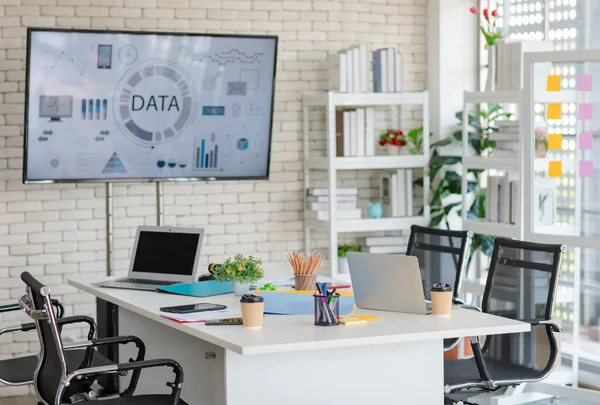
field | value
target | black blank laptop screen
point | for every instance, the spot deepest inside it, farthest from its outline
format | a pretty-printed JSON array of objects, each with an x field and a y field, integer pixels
[{"x": 166, "y": 253}]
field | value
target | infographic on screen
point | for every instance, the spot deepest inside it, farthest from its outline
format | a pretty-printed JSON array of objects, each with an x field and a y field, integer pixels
[{"x": 105, "y": 106}]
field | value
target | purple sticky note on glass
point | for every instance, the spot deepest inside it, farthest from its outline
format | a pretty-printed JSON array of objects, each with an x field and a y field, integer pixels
[
  {"x": 584, "y": 82},
  {"x": 586, "y": 168},
  {"x": 584, "y": 112},
  {"x": 586, "y": 140}
]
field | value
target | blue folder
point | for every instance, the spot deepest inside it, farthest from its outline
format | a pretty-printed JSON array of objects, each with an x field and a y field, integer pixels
[
  {"x": 198, "y": 289},
  {"x": 298, "y": 304}
]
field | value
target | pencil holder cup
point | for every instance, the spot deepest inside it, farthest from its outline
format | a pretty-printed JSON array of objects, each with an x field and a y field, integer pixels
[
  {"x": 327, "y": 310},
  {"x": 305, "y": 282}
]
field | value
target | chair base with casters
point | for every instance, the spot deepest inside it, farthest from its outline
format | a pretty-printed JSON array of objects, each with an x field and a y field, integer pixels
[{"x": 55, "y": 383}]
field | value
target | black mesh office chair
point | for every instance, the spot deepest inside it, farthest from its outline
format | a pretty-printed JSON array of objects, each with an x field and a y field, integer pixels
[
  {"x": 56, "y": 381},
  {"x": 19, "y": 370},
  {"x": 442, "y": 259},
  {"x": 442, "y": 256},
  {"x": 521, "y": 285}
]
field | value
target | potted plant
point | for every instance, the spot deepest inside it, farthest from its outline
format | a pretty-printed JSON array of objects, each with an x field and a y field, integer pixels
[
  {"x": 392, "y": 141},
  {"x": 241, "y": 271},
  {"x": 541, "y": 142},
  {"x": 342, "y": 260}
]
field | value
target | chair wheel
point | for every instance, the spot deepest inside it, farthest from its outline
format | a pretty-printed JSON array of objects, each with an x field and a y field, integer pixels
[{"x": 555, "y": 401}]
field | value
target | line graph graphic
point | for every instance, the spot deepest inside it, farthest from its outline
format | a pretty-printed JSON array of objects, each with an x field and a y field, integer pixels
[
  {"x": 66, "y": 63},
  {"x": 56, "y": 107},
  {"x": 232, "y": 56}
]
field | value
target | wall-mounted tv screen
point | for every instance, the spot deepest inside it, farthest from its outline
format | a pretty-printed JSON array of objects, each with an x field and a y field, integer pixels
[{"x": 108, "y": 106}]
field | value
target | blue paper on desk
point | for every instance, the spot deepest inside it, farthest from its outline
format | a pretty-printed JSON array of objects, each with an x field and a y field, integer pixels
[
  {"x": 298, "y": 304},
  {"x": 198, "y": 289}
]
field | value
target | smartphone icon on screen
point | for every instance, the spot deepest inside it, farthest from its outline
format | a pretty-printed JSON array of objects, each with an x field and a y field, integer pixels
[{"x": 104, "y": 56}]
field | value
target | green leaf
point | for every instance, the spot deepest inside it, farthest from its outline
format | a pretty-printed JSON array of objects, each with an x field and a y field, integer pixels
[
  {"x": 443, "y": 142},
  {"x": 444, "y": 160},
  {"x": 450, "y": 207},
  {"x": 435, "y": 220}
]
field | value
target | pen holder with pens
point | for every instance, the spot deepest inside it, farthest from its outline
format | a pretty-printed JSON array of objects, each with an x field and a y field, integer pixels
[{"x": 327, "y": 309}]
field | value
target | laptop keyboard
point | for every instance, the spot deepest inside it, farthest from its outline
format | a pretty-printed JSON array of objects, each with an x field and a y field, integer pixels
[{"x": 144, "y": 281}]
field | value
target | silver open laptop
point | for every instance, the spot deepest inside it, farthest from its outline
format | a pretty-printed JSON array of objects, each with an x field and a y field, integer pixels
[
  {"x": 161, "y": 256},
  {"x": 387, "y": 283}
]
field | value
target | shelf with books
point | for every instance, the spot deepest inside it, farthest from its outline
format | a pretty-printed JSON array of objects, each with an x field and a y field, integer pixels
[
  {"x": 492, "y": 228},
  {"x": 367, "y": 224},
  {"x": 351, "y": 139},
  {"x": 368, "y": 162}
]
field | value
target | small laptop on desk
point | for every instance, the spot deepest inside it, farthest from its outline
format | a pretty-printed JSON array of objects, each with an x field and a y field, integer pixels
[
  {"x": 161, "y": 256},
  {"x": 387, "y": 282}
]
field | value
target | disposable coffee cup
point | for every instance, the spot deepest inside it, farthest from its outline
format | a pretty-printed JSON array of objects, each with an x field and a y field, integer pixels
[
  {"x": 253, "y": 308},
  {"x": 441, "y": 299}
]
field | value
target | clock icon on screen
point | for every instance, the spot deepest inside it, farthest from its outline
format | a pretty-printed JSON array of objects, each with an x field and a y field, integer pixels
[{"x": 128, "y": 54}]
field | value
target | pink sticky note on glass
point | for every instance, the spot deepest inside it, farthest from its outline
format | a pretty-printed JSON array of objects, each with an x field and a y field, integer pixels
[
  {"x": 584, "y": 112},
  {"x": 584, "y": 82},
  {"x": 586, "y": 168},
  {"x": 586, "y": 140}
]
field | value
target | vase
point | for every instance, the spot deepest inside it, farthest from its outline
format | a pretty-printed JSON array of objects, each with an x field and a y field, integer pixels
[
  {"x": 490, "y": 84},
  {"x": 541, "y": 150},
  {"x": 375, "y": 210},
  {"x": 392, "y": 150},
  {"x": 343, "y": 265},
  {"x": 240, "y": 288}
]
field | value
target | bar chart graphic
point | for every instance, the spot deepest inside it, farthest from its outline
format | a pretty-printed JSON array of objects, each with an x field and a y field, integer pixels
[{"x": 206, "y": 155}]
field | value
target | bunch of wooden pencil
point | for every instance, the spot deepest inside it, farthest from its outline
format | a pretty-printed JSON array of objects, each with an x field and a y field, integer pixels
[{"x": 308, "y": 264}]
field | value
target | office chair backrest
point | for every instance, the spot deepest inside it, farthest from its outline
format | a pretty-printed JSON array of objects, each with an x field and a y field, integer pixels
[
  {"x": 521, "y": 284},
  {"x": 52, "y": 366},
  {"x": 442, "y": 255}
]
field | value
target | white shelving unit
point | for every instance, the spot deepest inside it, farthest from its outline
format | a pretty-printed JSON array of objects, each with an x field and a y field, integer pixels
[
  {"x": 332, "y": 101},
  {"x": 490, "y": 163}
]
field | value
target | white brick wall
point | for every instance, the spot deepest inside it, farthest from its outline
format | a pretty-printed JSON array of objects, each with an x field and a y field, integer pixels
[{"x": 55, "y": 231}]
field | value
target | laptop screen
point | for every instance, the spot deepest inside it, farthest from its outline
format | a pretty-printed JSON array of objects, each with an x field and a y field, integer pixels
[{"x": 166, "y": 253}]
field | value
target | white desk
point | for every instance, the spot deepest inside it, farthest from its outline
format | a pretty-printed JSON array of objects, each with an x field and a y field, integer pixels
[{"x": 291, "y": 361}]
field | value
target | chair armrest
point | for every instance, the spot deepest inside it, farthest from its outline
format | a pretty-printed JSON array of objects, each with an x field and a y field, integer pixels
[
  {"x": 548, "y": 322},
  {"x": 25, "y": 327},
  {"x": 471, "y": 307},
  {"x": 137, "y": 366},
  {"x": 90, "y": 344},
  {"x": 457, "y": 301},
  {"x": 484, "y": 374},
  {"x": 9, "y": 308}
]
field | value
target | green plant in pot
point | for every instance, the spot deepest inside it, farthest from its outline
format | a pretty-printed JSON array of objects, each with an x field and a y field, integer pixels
[
  {"x": 241, "y": 271},
  {"x": 446, "y": 178},
  {"x": 342, "y": 260}
]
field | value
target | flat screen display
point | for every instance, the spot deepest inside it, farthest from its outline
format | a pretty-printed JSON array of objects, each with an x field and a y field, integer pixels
[
  {"x": 166, "y": 253},
  {"x": 106, "y": 106}
]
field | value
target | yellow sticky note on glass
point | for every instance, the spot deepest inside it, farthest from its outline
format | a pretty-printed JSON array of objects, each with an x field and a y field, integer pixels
[
  {"x": 555, "y": 142},
  {"x": 555, "y": 168},
  {"x": 553, "y": 83},
  {"x": 554, "y": 111}
]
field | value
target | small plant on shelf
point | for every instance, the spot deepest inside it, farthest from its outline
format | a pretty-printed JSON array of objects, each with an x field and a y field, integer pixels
[
  {"x": 392, "y": 141},
  {"x": 241, "y": 270},
  {"x": 342, "y": 260}
]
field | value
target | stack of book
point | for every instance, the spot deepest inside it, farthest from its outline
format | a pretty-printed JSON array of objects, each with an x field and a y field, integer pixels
[
  {"x": 350, "y": 70},
  {"x": 387, "y": 71},
  {"x": 346, "y": 204},
  {"x": 507, "y": 139},
  {"x": 385, "y": 244},
  {"x": 396, "y": 193},
  {"x": 509, "y": 56},
  {"x": 355, "y": 132},
  {"x": 502, "y": 200}
]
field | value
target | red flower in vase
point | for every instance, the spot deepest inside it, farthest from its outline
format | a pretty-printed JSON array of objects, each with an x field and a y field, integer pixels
[{"x": 474, "y": 10}]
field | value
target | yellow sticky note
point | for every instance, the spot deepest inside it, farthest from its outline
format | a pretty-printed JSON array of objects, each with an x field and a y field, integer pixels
[
  {"x": 555, "y": 142},
  {"x": 554, "y": 111},
  {"x": 555, "y": 168},
  {"x": 553, "y": 83}
]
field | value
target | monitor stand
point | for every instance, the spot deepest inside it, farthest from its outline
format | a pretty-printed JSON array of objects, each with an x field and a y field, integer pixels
[{"x": 55, "y": 119}]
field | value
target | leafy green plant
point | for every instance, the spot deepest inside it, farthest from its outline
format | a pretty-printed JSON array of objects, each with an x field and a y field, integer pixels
[
  {"x": 344, "y": 249},
  {"x": 446, "y": 181},
  {"x": 239, "y": 268}
]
